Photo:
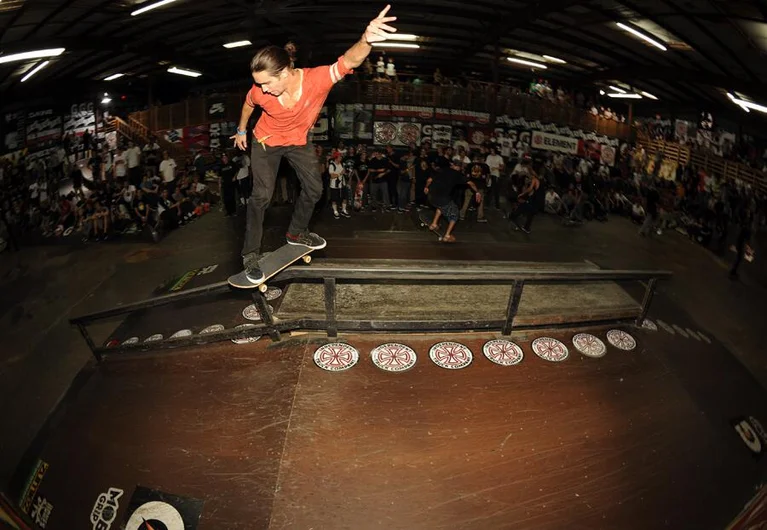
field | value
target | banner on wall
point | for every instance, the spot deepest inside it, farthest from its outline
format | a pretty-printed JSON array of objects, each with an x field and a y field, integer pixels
[
  {"x": 440, "y": 134},
  {"x": 363, "y": 121},
  {"x": 554, "y": 142},
  {"x": 389, "y": 112},
  {"x": 321, "y": 130},
  {"x": 174, "y": 136},
  {"x": 590, "y": 149},
  {"x": 463, "y": 116},
  {"x": 79, "y": 118},
  {"x": 396, "y": 133},
  {"x": 220, "y": 133},
  {"x": 608, "y": 155},
  {"x": 13, "y": 128},
  {"x": 343, "y": 121},
  {"x": 43, "y": 128},
  {"x": 216, "y": 107},
  {"x": 477, "y": 136},
  {"x": 197, "y": 137},
  {"x": 521, "y": 124}
]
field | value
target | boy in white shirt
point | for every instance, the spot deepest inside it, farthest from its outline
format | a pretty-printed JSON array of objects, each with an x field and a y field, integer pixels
[{"x": 495, "y": 162}]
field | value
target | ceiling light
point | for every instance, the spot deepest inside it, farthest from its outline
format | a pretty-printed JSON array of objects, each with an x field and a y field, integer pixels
[
  {"x": 37, "y": 54},
  {"x": 527, "y": 63},
  {"x": 736, "y": 101},
  {"x": 554, "y": 59},
  {"x": 625, "y": 96},
  {"x": 617, "y": 89},
  {"x": 237, "y": 44},
  {"x": 35, "y": 70},
  {"x": 182, "y": 71},
  {"x": 601, "y": 92},
  {"x": 648, "y": 95},
  {"x": 394, "y": 45},
  {"x": 113, "y": 77},
  {"x": 403, "y": 36},
  {"x": 106, "y": 99},
  {"x": 747, "y": 104},
  {"x": 150, "y": 7},
  {"x": 641, "y": 35}
]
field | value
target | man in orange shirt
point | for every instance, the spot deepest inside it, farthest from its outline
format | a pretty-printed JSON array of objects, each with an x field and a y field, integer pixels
[{"x": 291, "y": 100}]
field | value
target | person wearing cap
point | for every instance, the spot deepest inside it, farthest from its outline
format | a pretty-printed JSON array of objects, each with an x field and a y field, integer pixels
[{"x": 439, "y": 188}]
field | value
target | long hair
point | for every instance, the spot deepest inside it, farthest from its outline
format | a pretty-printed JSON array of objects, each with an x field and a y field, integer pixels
[{"x": 273, "y": 59}]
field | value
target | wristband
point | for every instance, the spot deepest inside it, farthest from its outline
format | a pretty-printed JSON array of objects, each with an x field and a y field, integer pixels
[{"x": 241, "y": 133}]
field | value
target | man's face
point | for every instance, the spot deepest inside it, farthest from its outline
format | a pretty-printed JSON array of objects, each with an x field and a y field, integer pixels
[{"x": 271, "y": 84}]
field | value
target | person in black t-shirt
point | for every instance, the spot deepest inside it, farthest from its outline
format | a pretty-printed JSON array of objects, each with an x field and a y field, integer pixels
[
  {"x": 422, "y": 173},
  {"x": 477, "y": 172},
  {"x": 378, "y": 168},
  {"x": 394, "y": 165},
  {"x": 439, "y": 188},
  {"x": 532, "y": 200},
  {"x": 651, "y": 212},
  {"x": 227, "y": 175}
]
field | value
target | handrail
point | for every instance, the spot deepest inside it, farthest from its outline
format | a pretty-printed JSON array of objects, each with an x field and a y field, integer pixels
[{"x": 436, "y": 273}]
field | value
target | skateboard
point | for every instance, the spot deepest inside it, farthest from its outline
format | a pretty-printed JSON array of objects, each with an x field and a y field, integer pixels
[
  {"x": 425, "y": 221},
  {"x": 358, "y": 198},
  {"x": 272, "y": 264}
]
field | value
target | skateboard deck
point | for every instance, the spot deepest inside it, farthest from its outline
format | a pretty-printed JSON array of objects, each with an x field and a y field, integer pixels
[
  {"x": 272, "y": 264},
  {"x": 357, "y": 204},
  {"x": 425, "y": 221}
]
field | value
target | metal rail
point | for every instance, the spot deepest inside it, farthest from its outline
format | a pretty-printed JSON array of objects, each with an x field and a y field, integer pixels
[{"x": 390, "y": 272}]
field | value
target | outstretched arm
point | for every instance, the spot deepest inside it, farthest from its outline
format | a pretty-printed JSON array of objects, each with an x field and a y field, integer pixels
[{"x": 377, "y": 31}]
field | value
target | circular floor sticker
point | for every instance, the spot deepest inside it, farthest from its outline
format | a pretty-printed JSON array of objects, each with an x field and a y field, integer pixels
[
  {"x": 393, "y": 357},
  {"x": 336, "y": 357},
  {"x": 550, "y": 349},
  {"x": 666, "y": 327},
  {"x": 706, "y": 339},
  {"x": 681, "y": 331},
  {"x": 692, "y": 334},
  {"x": 649, "y": 324},
  {"x": 589, "y": 345},
  {"x": 215, "y": 328},
  {"x": 128, "y": 342},
  {"x": 154, "y": 338},
  {"x": 252, "y": 313},
  {"x": 180, "y": 334},
  {"x": 246, "y": 340},
  {"x": 451, "y": 355},
  {"x": 503, "y": 352},
  {"x": 621, "y": 340},
  {"x": 273, "y": 293}
]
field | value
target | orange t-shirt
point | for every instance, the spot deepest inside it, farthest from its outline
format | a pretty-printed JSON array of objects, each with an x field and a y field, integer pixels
[{"x": 280, "y": 126}]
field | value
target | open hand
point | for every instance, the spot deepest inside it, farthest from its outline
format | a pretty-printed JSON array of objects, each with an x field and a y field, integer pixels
[
  {"x": 378, "y": 30},
  {"x": 240, "y": 141}
]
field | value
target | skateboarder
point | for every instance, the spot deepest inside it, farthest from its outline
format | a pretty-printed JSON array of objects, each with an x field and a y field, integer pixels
[
  {"x": 291, "y": 99},
  {"x": 439, "y": 188}
]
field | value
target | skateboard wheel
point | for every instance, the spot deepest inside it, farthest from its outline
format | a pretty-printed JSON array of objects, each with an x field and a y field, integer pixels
[
  {"x": 307, "y": 259},
  {"x": 263, "y": 288}
]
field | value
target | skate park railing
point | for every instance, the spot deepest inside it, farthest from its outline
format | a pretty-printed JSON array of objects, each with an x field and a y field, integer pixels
[{"x": 464, "y": 273}]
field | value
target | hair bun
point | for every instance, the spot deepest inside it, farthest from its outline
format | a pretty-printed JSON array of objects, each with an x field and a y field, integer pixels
[{"x": 291, "y": 48}]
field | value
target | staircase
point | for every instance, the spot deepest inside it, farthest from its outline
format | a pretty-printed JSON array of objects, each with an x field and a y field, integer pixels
[{"x": 139, "y": 134}]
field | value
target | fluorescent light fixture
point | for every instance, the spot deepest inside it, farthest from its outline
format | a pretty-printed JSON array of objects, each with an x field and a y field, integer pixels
[
  {"x": 747, "y": 104},
  {"x": 37, "y": 54},
  {"x": 237, "y": 44},
  {"x": 395, "y": 45},
  {"x": 625, "y": 96},
  {"x": 113, "y": 77},
  {"x": 403, "y": 36},
  {"x": 648, "y": 95},
  {"x": 526, "y": 63},
  {"x": 641, "y": 35},
  {"x": 182, "y": 71},
  {"x": 617, "y": 89},
  {"x": 150, "y": 7},
  {"x": 601, "y": 92},
  {"x": 554, "y": 59},
  {"x": 106, "y": 100},
  {"x": 35, "y": 70}
]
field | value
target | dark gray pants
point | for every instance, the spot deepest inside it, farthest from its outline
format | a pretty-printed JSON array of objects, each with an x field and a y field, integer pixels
[{"x": 265, "y": 162}]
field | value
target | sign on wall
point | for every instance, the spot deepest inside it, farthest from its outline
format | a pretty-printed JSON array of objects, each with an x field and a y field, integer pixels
[
  {"x": 554, "y": 142},
  {"x": 396, "y": 133}
]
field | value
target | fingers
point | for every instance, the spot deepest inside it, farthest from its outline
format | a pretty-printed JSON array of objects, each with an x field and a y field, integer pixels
[
  {"x": 384, "y": 11},
  {"x": 384, "y": 27}
]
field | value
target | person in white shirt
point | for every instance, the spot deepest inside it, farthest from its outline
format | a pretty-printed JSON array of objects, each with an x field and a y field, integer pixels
[
  {"x": 380, "y": 67},
  {"x": 128, "y": 192},
  {"x": 338, "y": 186},
  {"x": 495, "y": 162},
  {"x": 461, "y": 144},
  {"x": 168, "y": 172},
  {"x": 391, "y": 71},
  {"x": 133, "y": 159},
  {"x": 119, "y": 167}
]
